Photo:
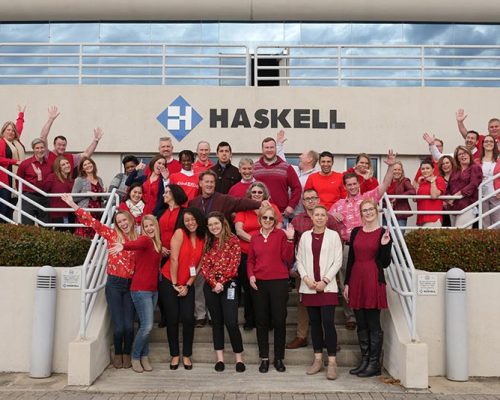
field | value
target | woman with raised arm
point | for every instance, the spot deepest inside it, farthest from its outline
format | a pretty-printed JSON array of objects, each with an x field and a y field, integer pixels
[
  {"x": 319, "y": 257},
  {"x": 144, "y": 286},
  {"x": 269, "y": 256},
  {"x": 489, "y": 161},
  {"x": 133, "y": 203},
  {"x": 364, "y": 170},
  {"x": 400, "y": 185},
  {"x": 364, "y": 285},
  {"x": 120, "y": 269},
  {"x": 176, "y": 289},
  {"x": 219, "y": 268},
  {"x": 12, "y": 152},
  {"x": 87, "y": 182},
  {"x": 429, "y": 184},
  {"x": 446, "y": 165},
  {"x": 59, "y": 181}
]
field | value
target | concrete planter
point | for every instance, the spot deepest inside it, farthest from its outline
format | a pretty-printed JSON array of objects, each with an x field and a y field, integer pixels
[
  {"x": 17, "y": 289},
  {"x": 483, "y": 298}
]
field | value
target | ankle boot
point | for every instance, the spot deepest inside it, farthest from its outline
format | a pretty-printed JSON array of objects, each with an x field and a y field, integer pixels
[
  {"x": 331, "y": 372},
  {"x": 316, "y": 366},
  {"x": 374, "y": 368},
  {"x": 364, "y": 345},
  {"x": 127, "y": 361},
  {"x": 137, "y": 366},
  {"x": 146, "y": 364},
  {"x": 118, "y": 361}
]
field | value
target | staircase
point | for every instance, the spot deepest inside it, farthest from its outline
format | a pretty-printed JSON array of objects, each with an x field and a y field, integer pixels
[{"x": 203, "y": 351}]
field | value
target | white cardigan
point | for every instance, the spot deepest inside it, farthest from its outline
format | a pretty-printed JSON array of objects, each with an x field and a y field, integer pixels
[{"x": 330, "y": 260}]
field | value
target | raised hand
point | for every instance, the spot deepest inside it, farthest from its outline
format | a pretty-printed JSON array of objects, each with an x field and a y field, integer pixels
[
  {"x": 460, "y": 115},
  {"x": 391, "y": 157},
  {"x": 280, "y": 137},
  {"x": 165, "y": 173},
  {"x": 429, "y": 138},
  {"x": 290, "y": 232},
  {"x": 140, "y": 166},
  {"x": 21, "y": 109},
  {"x": 53, "y": 112},
  {"x": 385, "y": 238},
  {"x": 38, "y": 171},
  {"x": 98, "y": 133}
]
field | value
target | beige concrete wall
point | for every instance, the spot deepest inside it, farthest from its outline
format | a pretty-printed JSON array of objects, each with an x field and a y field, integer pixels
[
  {"x": 17, "y": 289},
  {"x": 252, "y": 10},
  {"x": 483, "y": 324}
]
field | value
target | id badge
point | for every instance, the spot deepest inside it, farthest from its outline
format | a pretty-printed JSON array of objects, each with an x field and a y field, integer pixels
[
  {"x": 231, "y": 293},
  {"x": 192, "y": 270}
]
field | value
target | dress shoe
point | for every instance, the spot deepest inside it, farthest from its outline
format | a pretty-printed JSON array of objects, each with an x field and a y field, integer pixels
[
  {"x": 146, "y": 365},
  {"x": 240, "y": 367},
  {"x": 173, "y": 367},
  {"x": 188, "y": 366},
  {"x": 118, "y": 361},
  {"x": 264, "y": 366},
  {"x": 296, "y": 343},
  {"x": 127, "y": 361},
  {"x": 219, "y": 366},
  {"x": 315, "y": 367},
  {"x": 279, "y": 365},
  {"x": 200, "y": 323},
  {"x": 248, "y": 326}
]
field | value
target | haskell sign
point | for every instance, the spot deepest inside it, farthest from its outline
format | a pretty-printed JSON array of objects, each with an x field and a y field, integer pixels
[{"x": 179, "y": 118}]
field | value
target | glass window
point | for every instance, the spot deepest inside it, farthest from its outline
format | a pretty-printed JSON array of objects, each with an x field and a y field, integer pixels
[
  {"x": 125, "y": 32},
  {"x": 325, "y": 33},
  {"x": 24, "y": 32},
  {"x": 74, "y": 32},
  {"x": 377, "y": 34}
]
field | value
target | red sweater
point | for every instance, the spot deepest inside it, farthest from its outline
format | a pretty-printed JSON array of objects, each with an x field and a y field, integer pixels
[
  {"x": 53, "y": 185},
  {"x": 240, "y": 189},
  {"x": 268, "y": 259},
  {"x": 220, "y": 265},
  {"x": 147, "y": 264}
]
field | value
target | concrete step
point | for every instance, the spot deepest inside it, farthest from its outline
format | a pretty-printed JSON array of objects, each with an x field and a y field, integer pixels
[
  {"x": 204, "y": 335},
  {"x": 348, "y": 356}
]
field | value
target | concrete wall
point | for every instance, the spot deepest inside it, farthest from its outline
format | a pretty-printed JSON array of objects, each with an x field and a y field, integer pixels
[
  {"x": 375, "y": 118},
  {"x": 252, "y": 10},
  {"x": 483, "y": 297},
  {"x": 17, "y": 290}
]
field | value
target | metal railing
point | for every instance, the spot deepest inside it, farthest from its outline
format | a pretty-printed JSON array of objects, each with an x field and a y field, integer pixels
[
  {"x": 401, "y": 273},
  {"x": 231, "y": 65},
  {"x": 94, "y": 266}
]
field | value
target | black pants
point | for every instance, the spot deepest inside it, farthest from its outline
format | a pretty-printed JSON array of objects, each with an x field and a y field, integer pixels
[
  {"x": 244, "y": 287},
  {"x": 368, "y": 319},
  {"x": 224, "y": 312},
  {"x": 270, "y": 300},
  {"x": 323, "y": 333},
  {"x": 34, "y": 210},
  {"x": 4, "y": 208},
  {"x": 178, "y": 309}
]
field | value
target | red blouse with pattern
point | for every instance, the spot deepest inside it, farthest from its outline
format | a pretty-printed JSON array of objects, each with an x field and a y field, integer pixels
[
  {"x": 121, "y": 264},
  {"x": 220, "y": 265}
]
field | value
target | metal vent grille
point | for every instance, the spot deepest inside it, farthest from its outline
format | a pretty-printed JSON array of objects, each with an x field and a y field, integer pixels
[
  {"x": 46, "y": 282},
  {"x": 456, "y": 285}
]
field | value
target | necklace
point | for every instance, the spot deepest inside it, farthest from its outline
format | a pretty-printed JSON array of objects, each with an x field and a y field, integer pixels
[{"x": 265, "y": 235}]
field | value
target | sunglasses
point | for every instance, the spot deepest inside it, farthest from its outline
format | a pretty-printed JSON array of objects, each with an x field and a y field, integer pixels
[
  {"x": 257, "y": 192},
  {"x": 266, "y": 218}
]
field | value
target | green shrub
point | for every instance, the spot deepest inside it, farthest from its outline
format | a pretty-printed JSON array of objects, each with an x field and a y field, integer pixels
[
  {"x": 438, "y": 250},
  {"x": 33, "y": 246}
]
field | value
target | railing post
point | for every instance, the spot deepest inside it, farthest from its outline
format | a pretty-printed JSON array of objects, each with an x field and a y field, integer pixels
[
  {"x": 80, "y": 64},
  {"x": 248, "y": 72},
  {"x": 422, "y": 66},
  {"x": 339, "y": 66},
  {"x": 20, "y": 201},
  {"x": 480, "y": 206},
  {"x": 256, "y": 66},
  {"x": 163, "y": 62}
]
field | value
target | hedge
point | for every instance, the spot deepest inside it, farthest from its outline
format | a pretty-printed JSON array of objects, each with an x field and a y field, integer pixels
[
  {"x": 33, "y": 246},
  {"x": 438, "y": 250}
]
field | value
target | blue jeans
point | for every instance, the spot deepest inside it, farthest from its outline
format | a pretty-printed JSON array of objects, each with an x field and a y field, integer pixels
[
  {"x": 122, "y": 313},
  {"x": 145, "y": 303}
]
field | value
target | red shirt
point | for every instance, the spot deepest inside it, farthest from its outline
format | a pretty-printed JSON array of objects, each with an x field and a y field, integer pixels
[
  {"x": 51, "y": 157},
  {"x": 330, "y": 188},
  {"x": 150, "y": 194},
  {"x": 199, "y": 167},
  {"x": 430, "y": 204},
  {"x": 365, "y": 184},
  {"x": 436, "y": 171},
  {"x": 53, "y": 185},
  {"x": 189, "y": 256},
  {"x": 251, "y": 225},
  {"x": 27, "y": 172},
  {"x": 269, "y": 258},
  {"x": 240, "y": 189},
  {"x": 121, "y": 264},
  {"x": 147, "y": 264},
  {"x": 167, "y": 224},
  {"x": 174, "y": 166},
  {"x": 220, "y": 265},
  {"x": 188, "y": 183}
]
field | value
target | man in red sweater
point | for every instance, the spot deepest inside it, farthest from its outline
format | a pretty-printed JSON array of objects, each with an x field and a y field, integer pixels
[
  {"x": 246, "y": 171},
  {"x": 279, "y": 177},
  {"x": 327, "y": 183}
]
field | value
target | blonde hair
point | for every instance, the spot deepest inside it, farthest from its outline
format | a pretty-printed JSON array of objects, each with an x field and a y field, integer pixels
[
  {"x": 121, "y": 235},
  {"x": 156, "y": 239},
  {"x": 402, "y": 169},
  {"x": 368, "y": 201},
  {"x": 263, "y": 210},
  {"x": 14, "y": 128}
]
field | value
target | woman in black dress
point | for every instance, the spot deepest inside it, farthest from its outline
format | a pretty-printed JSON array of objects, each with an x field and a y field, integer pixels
[{"x": 369, "y": 254}]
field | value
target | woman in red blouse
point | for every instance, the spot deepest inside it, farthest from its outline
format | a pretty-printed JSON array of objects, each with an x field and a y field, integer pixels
[
  {"x": 144, "y": 287},
  {"x": 60, "y": 181},
  {"x": 435, "y": 186},
  {"x": 400, "y": 185},
  {"x": 219, "y": 267},
  {"x": 134, "y": 204},
  {"x": 269, "y": 256},
  {"x": 176, "y": 291},
  {"x": 120, "y": 271},
  {"x": 247, "y": 225}
]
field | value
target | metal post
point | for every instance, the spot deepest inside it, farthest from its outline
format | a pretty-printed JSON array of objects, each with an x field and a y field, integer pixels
[
  {"x": 422, "y": 67},
  {"x": 80, "y": 66}
]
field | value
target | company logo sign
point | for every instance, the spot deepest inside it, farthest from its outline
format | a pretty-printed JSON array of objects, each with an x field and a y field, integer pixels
[{"x": 179, "y": 118}]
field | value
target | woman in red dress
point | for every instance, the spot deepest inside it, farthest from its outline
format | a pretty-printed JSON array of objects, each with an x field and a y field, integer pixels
[
  {"x": 319, "y": 257},
  {"x": 60, "y": 181},
  {"x": 364, "y": 285}
]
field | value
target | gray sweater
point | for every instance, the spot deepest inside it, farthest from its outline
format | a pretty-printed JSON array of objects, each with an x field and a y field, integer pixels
[{"x": 82, "y": 185}]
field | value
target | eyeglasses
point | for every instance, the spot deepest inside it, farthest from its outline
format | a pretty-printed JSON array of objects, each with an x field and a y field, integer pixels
[
  {"x": 266, "y": 218},
  {"x": 257, "y": 192},
  {"x": 488, "y": 141},
  {"x": 368, "y": 210},
  {"x": 308, "y": 199}
]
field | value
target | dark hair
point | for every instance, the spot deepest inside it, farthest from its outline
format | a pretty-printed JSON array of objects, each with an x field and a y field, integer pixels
[
  {"x": 226, "y": 231},
  {"x": 224, "y": 144},
  {"x": 133, "y": 186},
  {"x": 200, "y": 220},
  {"x": 130, "y": 158},
  {"x": 325, "y": 154},
  {"x": 495, "y": 148},
  {"x": 81, "y": 172},
  {"x": 188, "y": 153},
  {"x": 474, "y": 133},
  {"x": 152, "y": 163},
  {"x": 60, "y": 137},
  {"x": 349, "y": 175},
  {"x": 427, "y": 161},
  {"x": 207, "y": 172},
  {"x": 268, "y": 139},
  {"x": 440, "y": 164},
  {"x": 178, "y": 194}
]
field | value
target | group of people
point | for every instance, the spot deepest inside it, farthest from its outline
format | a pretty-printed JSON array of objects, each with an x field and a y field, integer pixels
[{"x": 198, "y": 237}]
